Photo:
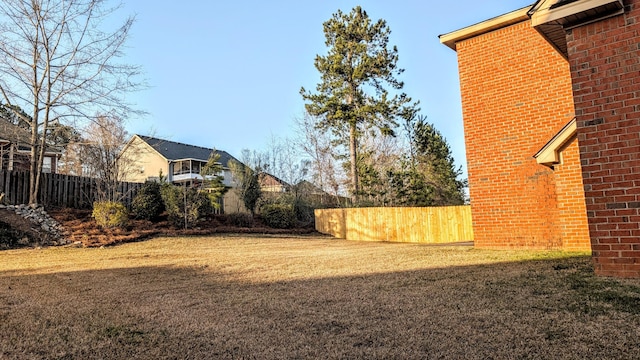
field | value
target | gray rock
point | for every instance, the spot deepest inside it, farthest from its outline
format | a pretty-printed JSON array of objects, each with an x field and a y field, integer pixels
[{"x": 39, "y": 217}]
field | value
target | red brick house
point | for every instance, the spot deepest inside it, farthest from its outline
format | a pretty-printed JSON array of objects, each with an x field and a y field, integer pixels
[
  {"x": 15, "y": 151},
  {"x": 551, "y": 107}
]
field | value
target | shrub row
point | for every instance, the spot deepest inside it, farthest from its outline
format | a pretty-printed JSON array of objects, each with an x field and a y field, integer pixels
[{"x": 186, "y": 205}]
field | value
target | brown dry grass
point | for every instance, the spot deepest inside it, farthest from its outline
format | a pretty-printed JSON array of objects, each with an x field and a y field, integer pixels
[{"x": 276, "y": 298}]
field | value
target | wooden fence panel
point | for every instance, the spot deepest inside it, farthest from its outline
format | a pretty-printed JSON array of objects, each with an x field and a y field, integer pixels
[
  {"x": 430, "y": 225},
  {"x": 57, "y": 190}
]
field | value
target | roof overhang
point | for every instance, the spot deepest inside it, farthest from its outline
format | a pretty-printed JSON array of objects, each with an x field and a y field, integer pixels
[
  {"x": 573, "y": 12},
  {"x": 514, "y": 17},
  {"x": 553, "y": 17},
  {"x": 550, "y": 154},
  {"x": 49, "y": 151},
  {"x": 189, "y": 159}
]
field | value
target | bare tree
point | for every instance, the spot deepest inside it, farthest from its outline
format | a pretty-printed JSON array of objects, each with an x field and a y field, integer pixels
[
  {"x": 102, "y": 158},
  {"x": 379, "y": 156},
  {"x": 283, "y": 159},
  {"x": 71, "y": 159},
  {"x": 323, "y": 153},
  {"x": 58, "y": 64}
]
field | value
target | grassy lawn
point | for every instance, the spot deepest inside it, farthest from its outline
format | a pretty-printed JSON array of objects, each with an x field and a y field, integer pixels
[{"x": 277, "y": 298}]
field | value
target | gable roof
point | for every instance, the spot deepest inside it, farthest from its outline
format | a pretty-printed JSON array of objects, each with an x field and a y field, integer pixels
[
  {"x": 267, "y": 179},
  {"x": 310, "y": 188},
  {"x": 13, "y": 133},
  {"x": 174, "y": 151}
]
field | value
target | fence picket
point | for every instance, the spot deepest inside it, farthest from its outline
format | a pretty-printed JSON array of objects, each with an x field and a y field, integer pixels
[
  {"x": 418, "y": 225},
  {"x": 57, "y": 190}
]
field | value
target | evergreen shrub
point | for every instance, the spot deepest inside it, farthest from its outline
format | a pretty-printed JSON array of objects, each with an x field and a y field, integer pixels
[
  {"x": 185, "y": 206},
  {"x": 240, "y": 219},
  {"x": 279, "y": 216},
  {"x": 148, "y": 204},
  {"x": 110, "y": 214}
]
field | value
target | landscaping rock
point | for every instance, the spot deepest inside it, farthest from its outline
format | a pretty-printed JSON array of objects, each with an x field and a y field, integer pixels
[{"x": 50, "y": 232}]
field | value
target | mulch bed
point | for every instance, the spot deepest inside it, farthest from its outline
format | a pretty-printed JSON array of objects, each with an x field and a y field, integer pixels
[{"x": 83, "y": 228}]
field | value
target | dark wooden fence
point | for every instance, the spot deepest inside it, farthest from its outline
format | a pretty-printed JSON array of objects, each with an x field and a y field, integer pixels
[{"x": 57, "y": 190}]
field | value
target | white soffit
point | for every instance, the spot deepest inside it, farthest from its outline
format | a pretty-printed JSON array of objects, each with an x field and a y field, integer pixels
[{"x": 544, "y": 12}]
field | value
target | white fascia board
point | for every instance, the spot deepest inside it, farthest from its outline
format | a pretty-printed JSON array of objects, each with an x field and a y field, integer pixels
[
  {"x": 514, "y": 17},
  {"x": 545, "y": 15}
]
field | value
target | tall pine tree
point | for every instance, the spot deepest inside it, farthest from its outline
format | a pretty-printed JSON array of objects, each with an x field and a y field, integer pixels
[{"x": 356, "y": 75}]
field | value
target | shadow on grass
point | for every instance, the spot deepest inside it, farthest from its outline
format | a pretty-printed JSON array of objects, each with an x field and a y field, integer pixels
[{"x": 531, "y": 309}]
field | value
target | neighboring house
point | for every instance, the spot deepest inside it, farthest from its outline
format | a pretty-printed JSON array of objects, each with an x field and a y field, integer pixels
[
  {"x": 551, "y": 108},
  {"x": 15, "y": 151},
  {"x": 307, "y": 187},
  {"x": 272, "y": 184},
  {"x": 320, "y": 196},
  {"x": 272, "y": 187},
  {"x": 147, "y": 157}
]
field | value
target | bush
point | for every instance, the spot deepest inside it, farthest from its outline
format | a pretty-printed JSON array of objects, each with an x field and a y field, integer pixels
[
  {"x": 303, "y": 211},
  {"x": 185, "y": 212},
  {"x": 302, "y": 208},
  {"x": 240, "y": 219},
  {"x": 205, "y": 204},
  {"x": 147, "y": 204},
  {"x": 109, "y": 214},
  {"x": 279, "y": 216}
]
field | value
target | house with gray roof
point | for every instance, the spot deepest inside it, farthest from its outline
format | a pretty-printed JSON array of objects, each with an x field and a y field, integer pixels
[{"x": 149, "y": 157}]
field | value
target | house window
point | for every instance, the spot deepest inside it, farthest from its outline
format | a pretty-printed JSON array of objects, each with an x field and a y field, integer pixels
[
  {"x": 187, "y": 167},
  {"x": 195, "y": 167},
  {"x": 181, "y": 167},
  {"x": 46, "y": 165}
]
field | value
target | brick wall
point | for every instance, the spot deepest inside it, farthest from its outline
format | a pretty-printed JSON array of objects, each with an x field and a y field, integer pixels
[
  {"x": 572, "y": 212},
  {"x": 605, "y": 66},
  {"x": 516, "y": 94}
]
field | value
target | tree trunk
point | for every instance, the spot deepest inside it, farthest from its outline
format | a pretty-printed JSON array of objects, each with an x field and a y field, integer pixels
[
  {"x": 39, "y": 161},
  {"x": 353, "y": 153},
  {"x": 33, "y": 163}
]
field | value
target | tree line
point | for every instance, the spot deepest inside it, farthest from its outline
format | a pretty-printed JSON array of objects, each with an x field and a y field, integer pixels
[
  {"x": 359, "y": 100},
  {"x": 64, "y": 82}
]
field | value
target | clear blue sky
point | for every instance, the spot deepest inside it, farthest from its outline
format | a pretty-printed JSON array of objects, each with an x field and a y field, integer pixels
[{"x": 227, "y": 74}]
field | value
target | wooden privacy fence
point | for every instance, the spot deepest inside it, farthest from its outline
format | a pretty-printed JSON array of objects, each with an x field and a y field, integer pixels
[
  {"x": 430, "y": 225},
  {"x": 57, "y": 190}
]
